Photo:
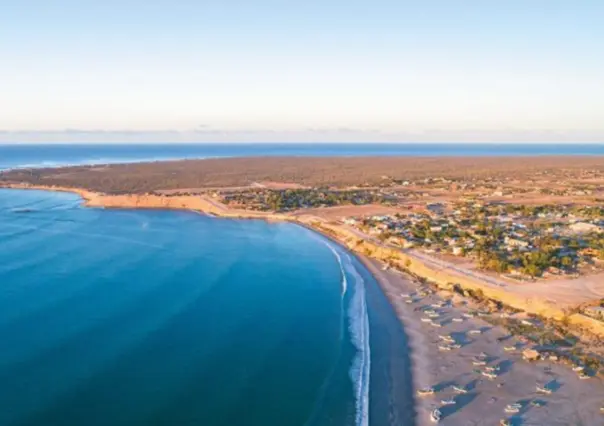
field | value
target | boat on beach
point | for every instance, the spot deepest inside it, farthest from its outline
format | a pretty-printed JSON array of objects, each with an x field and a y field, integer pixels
[
  {"x": 512, "y": 408},
  {"x": 543, "y": 389},
  {"x": 489, "y": 375},
  {"x": 460, "y": 389}
]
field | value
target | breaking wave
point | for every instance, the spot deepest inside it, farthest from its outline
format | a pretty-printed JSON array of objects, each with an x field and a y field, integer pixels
[{"x": 358, "y": 325}]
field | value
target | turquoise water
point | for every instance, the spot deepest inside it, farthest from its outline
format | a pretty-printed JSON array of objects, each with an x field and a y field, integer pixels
[
  {"x": 148, "y": 317},
  {"x": 47, "y": 155}
]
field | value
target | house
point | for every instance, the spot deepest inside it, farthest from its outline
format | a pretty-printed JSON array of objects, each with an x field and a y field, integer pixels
[
  {"x": 514, "y": 242},
  {"x": 585, "y": 228},
  {"x": 435, "y": 207},
  {"x": 530, "y": 355}
]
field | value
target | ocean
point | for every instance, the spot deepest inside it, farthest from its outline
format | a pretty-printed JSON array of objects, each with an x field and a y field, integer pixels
[
  {"x": 28, "y": 155},
  {"x": 151, "y": 317}
]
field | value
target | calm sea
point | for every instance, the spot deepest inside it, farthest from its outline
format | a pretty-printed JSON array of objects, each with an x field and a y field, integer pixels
[
  {"x": 148, "y": 317},
  {"x": 27, "y": 155}
]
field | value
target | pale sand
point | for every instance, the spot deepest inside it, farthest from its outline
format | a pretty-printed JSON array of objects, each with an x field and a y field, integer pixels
[{"x": 573, "y": 402}]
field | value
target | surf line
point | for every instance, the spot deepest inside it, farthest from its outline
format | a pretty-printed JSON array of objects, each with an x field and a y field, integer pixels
[{"x": 358, "y": 325}]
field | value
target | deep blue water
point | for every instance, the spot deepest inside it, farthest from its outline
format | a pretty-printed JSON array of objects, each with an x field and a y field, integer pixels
[
  {"x": 149, "y": 317},
  {"x": 27, "y": 155}
]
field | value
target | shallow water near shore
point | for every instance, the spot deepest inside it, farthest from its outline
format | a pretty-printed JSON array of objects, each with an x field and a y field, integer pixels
[{"x": 147, "y": 317}]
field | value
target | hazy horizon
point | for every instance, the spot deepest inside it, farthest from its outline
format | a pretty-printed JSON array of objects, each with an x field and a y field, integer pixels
[{"x": 356, "y": 71}]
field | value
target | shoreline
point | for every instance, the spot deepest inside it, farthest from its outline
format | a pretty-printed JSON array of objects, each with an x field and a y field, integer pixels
[
  {"x": 91, "y": 199},
  {"x": 429, "y": 367},
  {"x": 444, "y": 279}
]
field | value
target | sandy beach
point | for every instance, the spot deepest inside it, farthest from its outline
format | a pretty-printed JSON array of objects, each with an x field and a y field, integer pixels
[{"x": 572, "y": 401}]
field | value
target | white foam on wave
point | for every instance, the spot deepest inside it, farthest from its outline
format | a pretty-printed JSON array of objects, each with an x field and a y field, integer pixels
[
  {"x": 359, "y": 330},
  {"x": 358, "y": 324},
  {"x": 343, "y": 272}
]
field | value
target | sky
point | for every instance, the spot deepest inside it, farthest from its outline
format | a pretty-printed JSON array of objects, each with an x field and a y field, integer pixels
[{"x": 312, "y": 70}]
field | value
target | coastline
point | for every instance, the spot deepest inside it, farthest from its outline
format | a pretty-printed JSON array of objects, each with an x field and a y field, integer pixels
[
  {"x": 399, "y": 380},
  {"x": 429, "y": 367},
  {"x": 444, "y": 279}
]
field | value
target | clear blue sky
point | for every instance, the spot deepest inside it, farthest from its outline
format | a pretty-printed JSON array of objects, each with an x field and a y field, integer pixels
[{"x": 302, "y": 70}]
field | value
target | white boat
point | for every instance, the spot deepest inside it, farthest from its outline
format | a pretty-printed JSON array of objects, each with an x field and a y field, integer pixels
[
  {"x": 492, "y": 369},
  {"x": 455, "y": 346},
  {"x": 479, "y": 362},
  {"x": 543, "y": 389},
  {"x": 475, "y": 331},
  {"x": 449, "y": 401},
  {"x": 436, "y": 324},
  {"x": 425, "y": 320},
  {"x": 578, "y": 368},
  {"x": 457, "y": 319},
  {"x": 505, "y": 422},
  {"x": 583, "y": 376},
  {"x": 409, "y": 301},
  {"x": 509, "y": 348},
  {"x": 459, "y": 389},
  {"x": 489, "y": 375},
  {"x": 512, "y": 408},
  {"x": 444, "y": 347},
  {"x": 435, "y": 416},
  {"x": 468, "y": 315}
]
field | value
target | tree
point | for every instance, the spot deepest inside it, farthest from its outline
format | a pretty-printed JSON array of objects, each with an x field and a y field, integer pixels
[{"x": 566, "y": 261}]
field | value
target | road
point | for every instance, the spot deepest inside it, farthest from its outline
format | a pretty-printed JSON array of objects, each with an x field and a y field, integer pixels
[{"x": 430, "y": 260}]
